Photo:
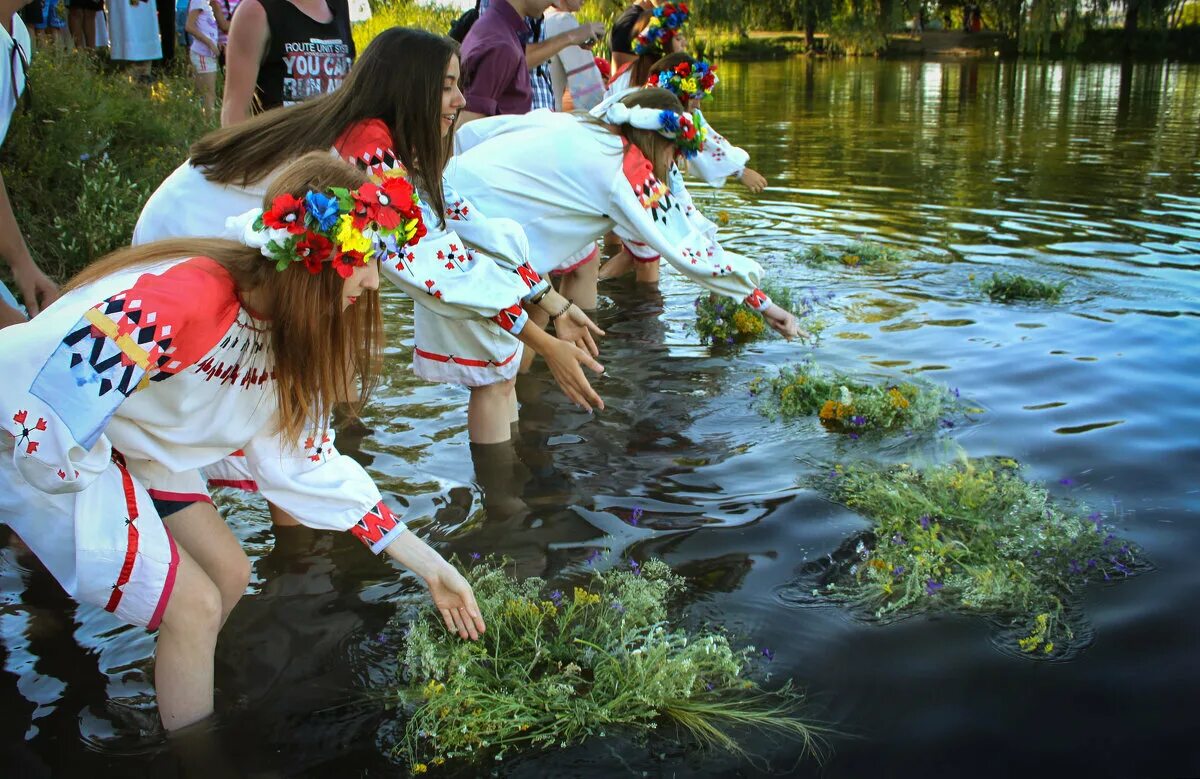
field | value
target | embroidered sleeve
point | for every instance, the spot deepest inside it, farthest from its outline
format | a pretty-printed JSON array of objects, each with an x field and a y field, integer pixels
[
  {"x": 70, "y": 369},
  {"x": 718, "y": 160},
  {"x": 441, "y": 272},
  {"x": 321, "y": 487},
  {"x": 657, "y": 217}
]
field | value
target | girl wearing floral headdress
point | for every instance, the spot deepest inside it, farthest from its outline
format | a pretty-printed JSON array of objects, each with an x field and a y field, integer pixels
[
  {"x": 692, "y": 80},
  {"x": 656, "y": 34},
  {"x": 393, "y": 117},
  {"x": 582, "y": 176},
  {"x": 160, "y": 360}
]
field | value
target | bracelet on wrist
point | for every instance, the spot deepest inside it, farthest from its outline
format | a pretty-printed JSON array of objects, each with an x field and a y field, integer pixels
[
  {"x": 565, "y": 309},
  {"x": 533, "y": 301}
]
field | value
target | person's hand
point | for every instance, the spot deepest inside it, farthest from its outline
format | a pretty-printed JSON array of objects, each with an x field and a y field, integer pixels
[
  {"x": 37, "y": 290},
  {"x": 578, "y": 328},
  {"x": 10, "y": 316},
  {"x": 586, "y": 35},
  {"x": 565, "y": 360},
  {"x": 754, "y": 181},
  {"x": 455, "y": 599},
  {"x": 784, "y": 322}
]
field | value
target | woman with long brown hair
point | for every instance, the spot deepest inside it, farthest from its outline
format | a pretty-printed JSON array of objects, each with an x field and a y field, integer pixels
[
  {"x": 570, "y": 178},
  {"x": 394, "y": 117},
  {"x": 158, "y": 361}
]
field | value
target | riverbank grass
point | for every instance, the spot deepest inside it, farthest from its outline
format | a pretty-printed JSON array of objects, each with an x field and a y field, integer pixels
[
  {"x": 974, "y": 537},
  {"x": 720, "y": 321},
  {"x": 557, "y": 667},
  {"x": 845, "y": 404},
  {"x": 1013, "y": 287}
]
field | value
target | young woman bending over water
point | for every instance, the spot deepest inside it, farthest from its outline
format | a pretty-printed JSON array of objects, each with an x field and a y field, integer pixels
[
  {"x": 160, "y": 360},
  {"x": 571, "y": 178},
  {"x": 393, "y": 117}
]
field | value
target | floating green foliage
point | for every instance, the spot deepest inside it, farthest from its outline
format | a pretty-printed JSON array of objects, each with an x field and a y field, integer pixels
[
  {"x": 721, "y": 321},
  {"x": 974, "y": 537},
  {"x": 555, "y": 668},
  {"x": 1009, "y": 287},
  {"x": 845, "y": 404},
  {"x": 860, "y": 254}
]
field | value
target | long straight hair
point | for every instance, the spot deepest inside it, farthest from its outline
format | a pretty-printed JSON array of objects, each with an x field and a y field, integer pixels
[
  {"x": 320, "y": 350},
  {"x": 398, "y": 80},
  {"x": 650, "y": 142}
]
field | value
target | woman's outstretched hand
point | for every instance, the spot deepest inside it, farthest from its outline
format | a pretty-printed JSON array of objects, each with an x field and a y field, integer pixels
[
  {"x": 565, "y": 361},
  {"x": 455, "y": 599},
  {"x": 578, "y": 328},
  {"x": 784, "y": 322}
]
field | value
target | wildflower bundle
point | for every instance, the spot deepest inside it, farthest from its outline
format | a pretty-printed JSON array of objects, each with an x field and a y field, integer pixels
[
  {"x": 557, "y": 667},
  {"x": 860, "y": 254},
  {"x": 847, "y": 405},
  {"x": 1009, "y": 287},
  {"x": 973, "y": 537},
  {"x": 721, "y": 321}
]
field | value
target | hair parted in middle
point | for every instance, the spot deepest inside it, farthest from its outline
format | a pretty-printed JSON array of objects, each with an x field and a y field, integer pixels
[
  {"x": 397, "y": 79},
  {"x": 321, "y": 349}
]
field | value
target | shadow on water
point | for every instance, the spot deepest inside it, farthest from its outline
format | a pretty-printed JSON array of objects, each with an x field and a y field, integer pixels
[{"x": 1088, "y": 174}]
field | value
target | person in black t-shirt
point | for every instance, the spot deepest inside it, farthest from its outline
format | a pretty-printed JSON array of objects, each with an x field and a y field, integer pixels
[{"x": 620, "y": 41}]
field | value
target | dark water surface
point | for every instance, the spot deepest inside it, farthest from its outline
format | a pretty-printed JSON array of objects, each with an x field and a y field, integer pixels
[{"x": 1088, "y": 174}]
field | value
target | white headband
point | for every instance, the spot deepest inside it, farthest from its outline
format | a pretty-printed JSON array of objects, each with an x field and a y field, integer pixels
[{"x": 240, "y": 228}]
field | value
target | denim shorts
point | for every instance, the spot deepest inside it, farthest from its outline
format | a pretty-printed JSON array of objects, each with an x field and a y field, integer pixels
[{"x": 50, "y": 16}]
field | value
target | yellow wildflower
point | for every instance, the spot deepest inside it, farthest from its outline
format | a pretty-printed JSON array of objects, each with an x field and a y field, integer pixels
[
  {"x": 747, "y": 324},
  {"x": 585, "y": 598},
  {"x": 851, "y": 259},
  {"x": 438, "y": 760},
  {"x": 897, "y": 398},
  {"x": 420, "y": 768},
  {"x": 350, "y": 238},
  {"x": 723, "y": 217},
  {"x": 1048, "y": 648}
]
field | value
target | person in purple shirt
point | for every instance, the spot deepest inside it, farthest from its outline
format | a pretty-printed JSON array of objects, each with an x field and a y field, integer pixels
[{"x": 494, "y": 66}]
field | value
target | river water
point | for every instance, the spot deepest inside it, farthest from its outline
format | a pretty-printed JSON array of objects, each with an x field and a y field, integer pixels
[{"x": 1088, "y": 174}]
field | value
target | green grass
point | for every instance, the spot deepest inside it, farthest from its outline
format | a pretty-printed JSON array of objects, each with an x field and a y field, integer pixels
[
  {"x": 860, "y": 254},
  {"x": 974, "y": 537},
  {"x": 1013, "y": 287},
  {"x": 721, "y": 322},
  {"x": 82, "y": 160},
  {"x": 845, "y": 404},
  {"x": 554, "y": 669},
  {"x": 403, "y": 13}
]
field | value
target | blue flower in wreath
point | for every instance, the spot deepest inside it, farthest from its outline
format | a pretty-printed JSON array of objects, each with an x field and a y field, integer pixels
[
  {"x": 669, "y": 120},
  {"x": 323, "y": 208}
]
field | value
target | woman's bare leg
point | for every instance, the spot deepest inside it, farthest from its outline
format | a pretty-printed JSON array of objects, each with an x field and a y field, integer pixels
[
  {"x": 187, "y": 640},
  {"x": 647, "y": 272},
  {"x": 579, "y": 286},
  {"x": 203, "y": 534},
  {"x": 619, "y": 265},
  {"x": 489, "y": 413}
]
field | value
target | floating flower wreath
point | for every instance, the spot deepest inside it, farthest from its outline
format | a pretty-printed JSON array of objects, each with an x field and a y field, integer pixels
[
  {"x": 664, "y": 25},
  {"x": 689, "y": 80},
  {"x": 342, "y": 227}
]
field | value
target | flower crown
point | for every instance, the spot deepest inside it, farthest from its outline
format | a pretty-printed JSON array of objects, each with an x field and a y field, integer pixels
[
  {"x": 664, "y": 25},
  {"x": 687, "y": 130},
  {"x": 341, "y": 226},
  {"x": 689, "y": 80}
]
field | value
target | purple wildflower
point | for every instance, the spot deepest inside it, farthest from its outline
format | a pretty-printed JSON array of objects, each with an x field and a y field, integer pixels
[
  {"x": 858, "y": 419},
  {"x": 636, "y": 567},
  {"x": 1108, "y": 539},
  {"x": 955, "y": 390},
  {"x": 924, "y": 521},
  {"x": 710, "y": 686},
  {"x": 946, "y": 423},
  {"x": 1091, "y": 563},
  {"x": 898, "y": 540},
  {"x": 557, "y": 597},
  {"x": 475, "y": 555},
  {"x": 854, "y": 436},
  {"x": 1122, "y": 567},
  {"x": 931, "y": 587},
  {"x": 1076, "y": 568},
  {"x": 898, "y": 571},
  {"x": 1066, "y": 482},
  {"x": 729, "y": 339},
  {"x": 593, "y": 557},
  {"x": 617, "y": 607},
  {"x": 635, "y": 516},
  {"x": 768, "y": 653}
]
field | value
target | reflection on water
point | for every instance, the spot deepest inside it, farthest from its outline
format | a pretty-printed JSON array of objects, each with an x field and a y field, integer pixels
[{"x": 1088, "y": 174}]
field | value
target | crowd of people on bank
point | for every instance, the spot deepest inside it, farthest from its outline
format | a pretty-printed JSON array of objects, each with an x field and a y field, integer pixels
[{"x": 213, "y": 351}]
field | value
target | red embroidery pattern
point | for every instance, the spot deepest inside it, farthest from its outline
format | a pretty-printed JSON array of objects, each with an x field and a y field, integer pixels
[
  {"x": 317, "y": 450},
  {"x": 529, "y": 275},
  {"x": 459, "y": 211},
  {"x": 467, "y": 361},
  {"x": 508, "y": 317},
  {"x": 132, "y": 538},
  {"x": 757, "y": 300},
  {"x": 375, "y": 524},
  {"x": 26, "y": 436}
]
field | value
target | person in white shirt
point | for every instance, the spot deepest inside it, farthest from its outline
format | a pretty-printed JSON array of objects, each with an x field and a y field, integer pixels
[{"x": 36, "y": 289}]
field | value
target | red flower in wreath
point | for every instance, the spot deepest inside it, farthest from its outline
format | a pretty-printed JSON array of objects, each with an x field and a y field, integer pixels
[
  {"x": 400, "y": 196},
  {"x": 708, "y": 81},
  {"x": 314, "y": 249},
  {"x": 345, "y": 262},
  {"x": 683, "y": 69},
  {"x": 686, "y": 128},
  {"x": 286, "y": 213}
]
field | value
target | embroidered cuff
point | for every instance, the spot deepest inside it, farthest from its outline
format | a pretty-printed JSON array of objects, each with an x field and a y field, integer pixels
[
  {"x": 512, "y": 319},
  {"x": 532, "y": 279},
  {"x": 541, "y": 286},
  {"x": 378, "y": 527},
  {"x": 758, "y": 300}
]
